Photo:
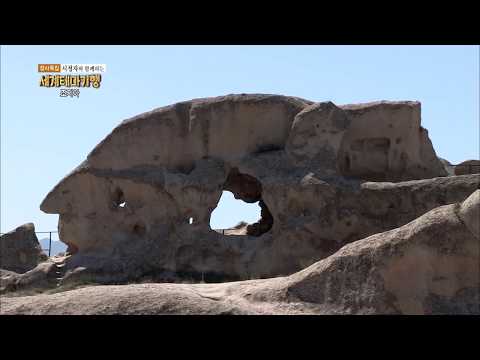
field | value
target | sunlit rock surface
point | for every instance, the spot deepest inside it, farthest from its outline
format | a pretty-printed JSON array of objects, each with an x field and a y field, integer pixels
[{"x": 324, "y": 176}]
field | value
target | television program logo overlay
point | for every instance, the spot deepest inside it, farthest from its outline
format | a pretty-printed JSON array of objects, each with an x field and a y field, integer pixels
[{"x": 75, "y": 76}]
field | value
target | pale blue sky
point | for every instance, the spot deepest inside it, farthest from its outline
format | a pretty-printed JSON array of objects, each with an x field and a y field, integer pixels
[{"x": 44, "y": 136}]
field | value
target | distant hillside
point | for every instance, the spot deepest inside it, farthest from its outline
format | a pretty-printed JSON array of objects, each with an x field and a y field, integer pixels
[
  {"x": 448, "y": 166},
  {"x": 57, "y": 246}
]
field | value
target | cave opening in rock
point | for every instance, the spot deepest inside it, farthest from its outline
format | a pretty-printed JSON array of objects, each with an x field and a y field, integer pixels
[
  {"x": 231, "y": 216},
  {"x": 118, "y": 199},
  {"x": 241, "y": 209}
]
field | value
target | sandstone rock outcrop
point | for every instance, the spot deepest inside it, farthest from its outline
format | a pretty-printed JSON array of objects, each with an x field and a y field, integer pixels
[
  {"x": 428, "y": 266},
  {"x": 23, "y": 264},
  {"x": 43, "y": 276},
  {"x": 20, "y": 250},
  {"x": 468, "y": 167},
  {"x": 324, "y": 176}
]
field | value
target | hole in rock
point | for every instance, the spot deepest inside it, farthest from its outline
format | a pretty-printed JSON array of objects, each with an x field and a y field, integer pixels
[
  {"x": 241, "y": 209},
  {"x": 232, "y": 215},
  {"x": 118, "y": 199}
]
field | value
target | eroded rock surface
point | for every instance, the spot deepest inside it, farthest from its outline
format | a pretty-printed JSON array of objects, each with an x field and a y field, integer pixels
[
  {"x": 428, "y": 266},
  {"x": 324, "y": 176},
  {"x": 23, "y": 264},
  {"x": 20, "y": 250},
  {"x": 468, "y": 167},
  {"x": 44, "y": 276}
]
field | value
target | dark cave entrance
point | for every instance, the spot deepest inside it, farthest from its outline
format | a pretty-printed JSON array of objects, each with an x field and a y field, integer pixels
[
  {"x": 248, "y": 189},
  {"x": 118, "y": 199}
]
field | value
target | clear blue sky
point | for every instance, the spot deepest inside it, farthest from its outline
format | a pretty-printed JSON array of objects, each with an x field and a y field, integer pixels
[{"x": 43, "y": 136}]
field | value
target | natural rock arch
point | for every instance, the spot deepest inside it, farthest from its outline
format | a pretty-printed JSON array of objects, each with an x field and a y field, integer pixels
[
  {"x": 247, "y": 188},
  {"x": 171, "y": 164}
]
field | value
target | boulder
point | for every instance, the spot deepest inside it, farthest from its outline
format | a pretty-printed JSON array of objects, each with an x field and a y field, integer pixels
[
  {"x": 469, "y": 213},
  {"x": 20, "y": 250}
]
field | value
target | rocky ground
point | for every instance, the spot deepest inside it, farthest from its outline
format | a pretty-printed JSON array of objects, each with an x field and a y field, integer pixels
[{"x": 428, "y": 266}]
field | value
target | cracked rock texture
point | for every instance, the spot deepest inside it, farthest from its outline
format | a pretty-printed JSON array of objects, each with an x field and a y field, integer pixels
[
  {"x": 427, "y": 266},
  {"x": 324, "y": 176}
]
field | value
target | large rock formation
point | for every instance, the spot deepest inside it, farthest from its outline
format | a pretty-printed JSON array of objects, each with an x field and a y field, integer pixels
[
  {"x": 428, "y": 266},
  {"x": 20, "y": 250},
  {"x": 324, "y": 176}
]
